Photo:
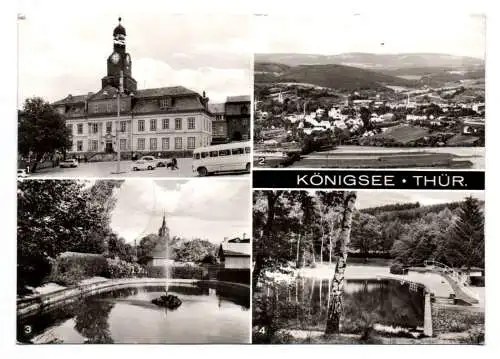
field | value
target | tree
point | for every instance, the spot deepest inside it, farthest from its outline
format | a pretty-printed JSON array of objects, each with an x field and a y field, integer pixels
[
  {"x": 464, "y": 245},
  {"x": 365, "y": 115},
  {"x": 264, "y": 245},
  {"x": 56, "y": 216},
  {"x": 336, "y": 300},
  {"x": 41, "y": 131},
  {"x": 366, "y": 233}
]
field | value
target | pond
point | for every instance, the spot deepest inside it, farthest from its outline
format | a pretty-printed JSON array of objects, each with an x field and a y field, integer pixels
[
  {"x": 303, "y": 304},
  {"x": 208, "y": 314}
]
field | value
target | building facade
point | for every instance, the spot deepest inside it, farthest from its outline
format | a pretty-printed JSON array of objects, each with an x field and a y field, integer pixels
[
  {"x": 219, "y": 124},
  {"x": 158, "y": 121},
  {"x": 237, "y": 111}
]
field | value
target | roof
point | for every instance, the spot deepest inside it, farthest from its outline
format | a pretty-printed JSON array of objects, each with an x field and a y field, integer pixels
[
  {"x": 244, "y": 98},
  {"x": 216, "y": 108},
  {"x": 236, "y": 249},
  {"x": 164, "y": 91},
  {"x": 71, "y": 99}
]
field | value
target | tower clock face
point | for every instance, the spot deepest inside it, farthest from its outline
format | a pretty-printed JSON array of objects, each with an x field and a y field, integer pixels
[{"x": 115, "y": 58}]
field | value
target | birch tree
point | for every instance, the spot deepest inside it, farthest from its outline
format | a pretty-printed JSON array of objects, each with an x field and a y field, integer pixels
[{"x": 336, "y": 303}]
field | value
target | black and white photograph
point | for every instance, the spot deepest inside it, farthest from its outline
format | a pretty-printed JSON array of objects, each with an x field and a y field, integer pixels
[
  {"x": 389, "y": 90},
  {"x": 368, "y": 267},
  {"x": 136, "y": 261},
  {"x": 133, "y": 94}
]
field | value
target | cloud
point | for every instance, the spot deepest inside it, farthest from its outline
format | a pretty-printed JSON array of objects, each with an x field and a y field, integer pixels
[
  {"x": 66, "y": 54},
  {"x": 456, "y": 34},
  {"x": 213, "y": 209}
]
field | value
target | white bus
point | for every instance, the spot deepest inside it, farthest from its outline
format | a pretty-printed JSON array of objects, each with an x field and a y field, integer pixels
[{"x": 228, "y": 157}]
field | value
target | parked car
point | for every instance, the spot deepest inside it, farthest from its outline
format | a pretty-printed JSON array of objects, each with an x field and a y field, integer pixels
[
  {"x": 22, "y": 173},
  {"x": 143, "y": 165},
  {"x": 157, "y": 161},
  {"x": 72, "y": 163}
]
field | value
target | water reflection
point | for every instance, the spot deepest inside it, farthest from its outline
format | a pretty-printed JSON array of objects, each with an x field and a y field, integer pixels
[
  {"x": 207, "y": 315},
  {"x": 366, "y": 302}
]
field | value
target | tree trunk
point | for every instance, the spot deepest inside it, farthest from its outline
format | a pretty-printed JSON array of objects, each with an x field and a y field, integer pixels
[
  {"x": 297, "y": 265},
  {"x": 257, "y": 269},
  {"x": 336, "y": 306},
  {"x": 321, "y": 251},
  {"x": 272, "y": 198}
]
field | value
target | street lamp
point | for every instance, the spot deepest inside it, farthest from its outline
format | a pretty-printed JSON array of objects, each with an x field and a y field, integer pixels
[
  {"x": 118, "y": 144},
  {"x": 20, "y": 17}
]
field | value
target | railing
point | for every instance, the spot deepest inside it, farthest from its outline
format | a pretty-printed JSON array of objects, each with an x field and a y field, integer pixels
[{"x": 460, "y": 280}]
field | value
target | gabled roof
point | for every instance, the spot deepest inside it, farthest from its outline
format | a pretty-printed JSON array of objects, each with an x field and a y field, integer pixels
[
  {"x": 236, "y": 249},
  {"x": 216, "y": 108},
  {"x": 71, "y": 99},
  {"x": 244, "y": 98},
  {"x": 105, "y": 93},
  {"x": 164, "y": 91}
]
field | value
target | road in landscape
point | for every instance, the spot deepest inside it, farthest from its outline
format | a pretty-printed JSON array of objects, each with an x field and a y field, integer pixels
[{"x": 108, "y": 169}]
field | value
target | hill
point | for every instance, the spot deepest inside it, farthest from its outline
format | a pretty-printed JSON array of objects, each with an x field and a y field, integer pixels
[
  {"x": 373, "y": 61},
  {"x": 331, "y": 76}
]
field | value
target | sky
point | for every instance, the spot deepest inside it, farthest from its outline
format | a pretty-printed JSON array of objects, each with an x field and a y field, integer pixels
[
  {"x": 368, "y": 199},
  {"x": 61, "y": 55},
  {"x": 452, "y": 33},
  {"x": 216, "y": 209}
]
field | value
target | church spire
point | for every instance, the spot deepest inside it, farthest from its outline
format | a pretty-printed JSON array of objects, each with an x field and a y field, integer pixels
[{"x": 162, "y": 232}]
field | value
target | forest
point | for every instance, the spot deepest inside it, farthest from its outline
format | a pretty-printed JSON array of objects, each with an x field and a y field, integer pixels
[{"x": 300, "y": 228}]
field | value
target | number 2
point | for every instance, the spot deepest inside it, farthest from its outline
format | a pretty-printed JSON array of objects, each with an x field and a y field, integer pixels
[{"x": 262, "y": 161}]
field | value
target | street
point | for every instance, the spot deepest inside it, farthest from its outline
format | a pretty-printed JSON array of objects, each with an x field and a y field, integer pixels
[{"x": 108, "y": 170}]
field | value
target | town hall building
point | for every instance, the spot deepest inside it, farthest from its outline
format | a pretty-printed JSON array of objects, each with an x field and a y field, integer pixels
[{"x": 156, "y": 121}]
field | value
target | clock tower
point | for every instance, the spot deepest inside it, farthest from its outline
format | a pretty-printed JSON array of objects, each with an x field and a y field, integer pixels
[{"x": 120, "y": 61}]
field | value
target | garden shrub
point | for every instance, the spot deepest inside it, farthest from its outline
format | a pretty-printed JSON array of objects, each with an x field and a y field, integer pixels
[
  {"x": 117, "y": 268},
  {"x": 70, "y": 268},
  {"x": 177, "y": 272},
  {"x": 187, "y": 272},
  {"x": 398, "y": 268}
]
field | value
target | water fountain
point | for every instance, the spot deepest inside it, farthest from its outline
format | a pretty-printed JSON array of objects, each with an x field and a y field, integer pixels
[{"x": 168, "y": 301}]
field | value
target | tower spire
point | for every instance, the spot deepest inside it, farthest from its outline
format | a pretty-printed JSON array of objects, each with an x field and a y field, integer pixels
[{"x": 163, "y": 231}]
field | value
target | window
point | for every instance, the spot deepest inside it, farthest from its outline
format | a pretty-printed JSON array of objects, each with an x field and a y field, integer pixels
[
  {"x": 191, "y": 142},
  {"x": 152, "y": 125},
  {"x": 79, "y": 145},
  {"x": 93, "y": 145},
  {"x": 224, "y": 153},
  {"x": 197, "y": 156},
  {"x": 214, "y": 154},
  {"x": 70, "y": 128},
  {"x": 109, "y": 126},
  {"x": 123, "y": 126},
  {"x": 96, "y": 107},
  {"x": 165, "y": 143},
  {"x": 109, "y": 107},
  {"x": 247, "y": 150},
  {"x": 204, "y": 154},
  {"x": 152, "y": 143},
  {"x": 163, "y": 103},
  {"x": 123, "y": 144},
  {"x": 95, "y": 128},
  {"x": 178, "y": 143},
  {"x": 166, "y": 124},
  {"x": 140, "y": 125},
  {"x": 237, "y": 151},
  {"x": 191, "y": 123},
  {"x": 178, "y": 123},
  {"x": 140, "y": 144},
  {"x": 79, "y": 128}
]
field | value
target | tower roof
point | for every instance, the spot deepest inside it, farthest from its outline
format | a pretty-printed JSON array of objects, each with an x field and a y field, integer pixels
[{"x": 119, "y": 30}]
